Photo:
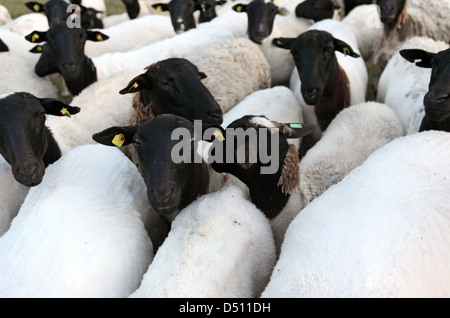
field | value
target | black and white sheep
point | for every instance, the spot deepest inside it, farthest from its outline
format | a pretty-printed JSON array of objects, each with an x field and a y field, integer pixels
[
  {"x": 81, "y": 232},
  {"x": 403, "y": 86},
  {"x": 359, "y": 129},
  {"x": 329, "y": 73},
  {"x": 221, "y": 245},
  {"x": 403, "y": 19},
  {"x": 437, "y": 99},
  {"x": 79, "y": 71},
  {"x": 267, "y": 21}
]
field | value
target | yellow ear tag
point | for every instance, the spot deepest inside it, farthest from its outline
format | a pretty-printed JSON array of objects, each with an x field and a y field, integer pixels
[
  {"x": 346, "y": 50},
  {"x": 39, "y": 48},
  {"x": 35, "y": 37},
  {"x": 159, "y": 8},
  {"x": 65, "y": 112},
  {"x": 203, "y": 5},
  {"x": 119, "y": 140},
  {"x": 218, "y": 135},
  {"x": 239, "y": 9},
  {"x": 135, "y": 85},
  {"x": 279, "y": 42},
  {"x": 99, "y": 37},
  {"x": 36, "y": 7}
]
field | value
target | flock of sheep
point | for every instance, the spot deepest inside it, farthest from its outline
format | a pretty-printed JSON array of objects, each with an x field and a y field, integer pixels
[{"x": 357, "y": 93}]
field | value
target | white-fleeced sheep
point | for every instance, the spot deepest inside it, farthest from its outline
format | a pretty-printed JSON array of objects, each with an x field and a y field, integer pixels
[
  {"x": 106, "y": 65},
  {"x": 26, "y": 23},
  {"x": 382, "y": 232},
  {"x": 18, "y": 76},
  {"x": 403, "y": 85},
  {"x": 127, "y": 36},
  {"x": 11, "y": 197},
  {"x": 351, "y": 70},
  {"x": 234, "y": 70},
  {"x": 219, "y": 246},
  {"x": 267, "y": 25},
  {"x": 365, "y": 22},
  {"x": 172, "y": 184},
  {"x": 81, "y": 232},
  {"x": 277, "y": 103},
  {"x": 101, "y": 107},
  {"x": 5, "y": 16},
  {"x": 354, "y": 134},
  {"x": 403, "y": 19}
]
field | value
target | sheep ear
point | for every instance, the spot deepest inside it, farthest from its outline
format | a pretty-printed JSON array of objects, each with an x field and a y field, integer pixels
[
  {"x": 137, "y": 84},
  {"x": 201, "y": 5},
  {"x": 116, "y": 136},
  {"x": 294, "y": 130},
  {"x": 283, "y": 12},
  {"x": 240, "y": 7},
  {"x": 37, "y": 49},
  {"x": 35, "y": 6},
  {"x": 413, "y": 55},
  {"x": 283, "y": 43},
  {"x": 36, "y": 37},
  {"x": 96, "y": 36},
  {"x": 56, "y": 108},
  {"x": 344, "y": 48},
  {"x": 160, "y": 7}
]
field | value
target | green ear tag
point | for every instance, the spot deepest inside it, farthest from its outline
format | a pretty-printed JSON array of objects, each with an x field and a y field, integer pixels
[
  {"x": 346, "y": 50},
  {"x": 296, "y": 125}
]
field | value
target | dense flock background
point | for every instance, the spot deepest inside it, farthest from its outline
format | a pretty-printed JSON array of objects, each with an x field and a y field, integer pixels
[{"x": 357, "y": 93}]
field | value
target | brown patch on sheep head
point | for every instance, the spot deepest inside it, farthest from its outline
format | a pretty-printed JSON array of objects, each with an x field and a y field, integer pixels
[{"x": 290, "y": 172}]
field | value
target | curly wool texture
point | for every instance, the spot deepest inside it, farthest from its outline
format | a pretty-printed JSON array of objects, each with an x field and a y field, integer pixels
[
  {"x": 234, "y": 70},
  {"x": 419, "y": 18},
  {"x": 290, "y": 173}
]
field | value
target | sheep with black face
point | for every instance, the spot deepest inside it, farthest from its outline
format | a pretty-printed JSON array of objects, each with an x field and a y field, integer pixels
[
  {"x": 171, "y": 184},
  {"x": 266, "y": 21},
  {"x": 437, "y": 99},
  {"x": 331, "y": 72},
  {"x": 181, "y": 13},
  {"x": 64, "y": 53},
  {"x": 27, "y": 144}
]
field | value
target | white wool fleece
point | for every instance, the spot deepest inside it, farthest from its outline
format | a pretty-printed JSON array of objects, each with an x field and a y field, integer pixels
[
  {"x": 380, "y": 233},
  {"x": 219, "y": 246}
]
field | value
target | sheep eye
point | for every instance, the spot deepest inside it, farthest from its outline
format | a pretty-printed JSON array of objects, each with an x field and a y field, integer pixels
[
  {"x": 329, "y": 50},
  {"x": 137, "y": 143},
  {"x": 42, "y": 114}
]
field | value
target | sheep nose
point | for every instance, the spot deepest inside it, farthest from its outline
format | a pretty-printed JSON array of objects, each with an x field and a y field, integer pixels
[
  {"x": 70, "y": 66},
  {"x": 163, "y": 194},
  {"x": 436, "y": 98},
  {"x": 310, "y": 91},
  {"x": 216, "y": 117}
]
